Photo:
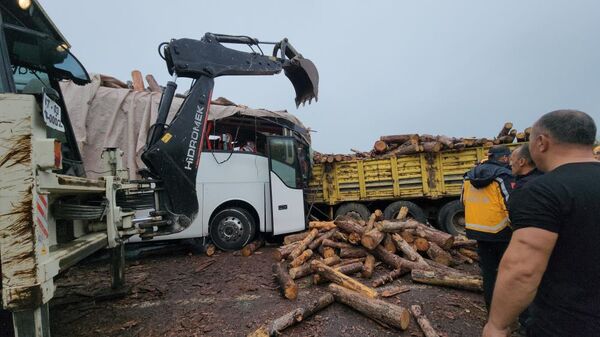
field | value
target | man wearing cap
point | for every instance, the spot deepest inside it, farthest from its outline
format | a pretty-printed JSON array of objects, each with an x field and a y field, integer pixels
[{"x": 485, "y": 196}]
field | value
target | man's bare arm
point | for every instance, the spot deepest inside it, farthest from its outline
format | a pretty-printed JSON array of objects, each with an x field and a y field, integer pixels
[{"x": 519, "y": 275}]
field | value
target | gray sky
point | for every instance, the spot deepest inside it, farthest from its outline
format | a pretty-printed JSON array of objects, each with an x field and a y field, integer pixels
[{"x": 459, "y": 68}]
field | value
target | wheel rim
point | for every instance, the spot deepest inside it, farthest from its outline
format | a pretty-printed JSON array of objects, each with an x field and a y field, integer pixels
[
  {"x": 230, "y": 229},
  {"x": 458, "y": 222}
]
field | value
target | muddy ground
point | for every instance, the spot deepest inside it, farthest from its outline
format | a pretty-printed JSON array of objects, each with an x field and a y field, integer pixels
[{"x": 178, "y": 293}]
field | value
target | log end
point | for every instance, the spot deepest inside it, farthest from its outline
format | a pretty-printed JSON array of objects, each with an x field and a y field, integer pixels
[
  {"x": 404, "y": 319},
  {"x": 291, "y": 292}
]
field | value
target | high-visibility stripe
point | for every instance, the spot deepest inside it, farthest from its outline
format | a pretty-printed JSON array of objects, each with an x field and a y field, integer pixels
[
  {"x": 488, "y": 228},
  {"x": 502, "y": 188}
]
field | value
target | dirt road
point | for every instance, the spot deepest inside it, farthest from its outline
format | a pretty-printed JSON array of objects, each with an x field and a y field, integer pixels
[{"x": 182, "y": 294}]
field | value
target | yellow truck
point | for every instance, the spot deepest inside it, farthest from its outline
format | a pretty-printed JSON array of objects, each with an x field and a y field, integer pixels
[{"x": 428, "y": 184}]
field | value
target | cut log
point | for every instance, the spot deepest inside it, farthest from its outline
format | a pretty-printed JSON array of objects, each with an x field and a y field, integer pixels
[
  {"x": 138, "y": 80},
  {"x": 210, "y": 249},
  {"x": 339, "y": 236},
  {"x": 437, "y": 254},
  {"x": 469, "y": 253},
  {"x": 436, "y": 277},
  {"x": 338, "y": 157},
  {"x": 349, "y": 225},
  {"x": 407, "y": 249},
  {"x": 341, "y": 279},
  {"x": 460, "y": 258},
  {"x": 302, "y": 258},
  {"x": 379, "y": 310},
  {"x": 299, "y": 314},
  {"x": 335, "y": 244},
  {"x": 288, "y": 239},
  {"x": 446, "y": 141},
  {"x": 375, "y": 216},
  {"x": 421, "y": 244},
  {"x": 354, "y": 238},
  {"x": 401, "y": 139},
  {"x": 304, "y": 270},
  {"x": 347, "y": 269},
  {"x": 253, "y": 246},
  {"x": 350, "y": 261},
  {"x": 442, "y": 239},
  {"x": 152, "y": 84},
  {"x": 404, "y": 150},
  {"x": 423, "y": 322},
  {"x": 288, "y": 288},
  {"x": 402, "y": 214},
  {"x": 432, "y": 147},
  {"x": 527, "y": 133},
  {"x": 521, "y": 137},
  {"x": 372, "y": 238},
  {"x": 352, "y": 252},
  {"x": 389, "y": 277},
  {"x": 389, "y": 244},
  {"x": 505, "y": 129},
  {"x": 303, "y": 244},
  {"x": 394, "y": 226},
  {"x": 327, "y": 225},
  {"x": 472, "y": 244},
  {"x": 407, "y": 236},
  {"x": 283, "y": 252},
  {"x": 504, "y": 140},
  {"x": 329, "y": 252},
  {"x": 319, "y": 240},
  {"x": 368, "y": 266},
  {"x": 393, "y": 291},
  {"x": 380, "y": 146}
]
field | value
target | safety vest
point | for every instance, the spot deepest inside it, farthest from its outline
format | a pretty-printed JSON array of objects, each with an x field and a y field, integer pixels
[{"x": 485, "y": 208}]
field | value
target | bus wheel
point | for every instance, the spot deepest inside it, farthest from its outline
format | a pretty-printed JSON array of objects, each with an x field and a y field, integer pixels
[
  {"x": 414, "y": 211},
  {"x": 232, "y": 229},
  {"x": 452, "y": 218},
  {"x": 353, "y": 209}
]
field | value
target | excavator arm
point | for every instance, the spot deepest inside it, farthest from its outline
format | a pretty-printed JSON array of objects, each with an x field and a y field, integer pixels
[{"x": 172, "y": 152}]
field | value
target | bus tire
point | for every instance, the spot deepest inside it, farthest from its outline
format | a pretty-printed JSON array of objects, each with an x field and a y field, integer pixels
[
  {"x": 232, "y": 229},
  {"x": 451, "y": 218},
  {"x": 354, "y": 209},
  {"x": 414, "y": 211}
]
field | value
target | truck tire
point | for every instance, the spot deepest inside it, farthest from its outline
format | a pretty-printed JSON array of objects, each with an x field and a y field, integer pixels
[
  {"x": 451, "y": 218},
  {"x": 414, "y": 211},
  {"x": 232, "y": 229},
  {"x": 354, "y": 209}
]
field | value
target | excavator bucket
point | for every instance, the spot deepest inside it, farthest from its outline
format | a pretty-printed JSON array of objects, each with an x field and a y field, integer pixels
[{"x": 304, "y": 77}]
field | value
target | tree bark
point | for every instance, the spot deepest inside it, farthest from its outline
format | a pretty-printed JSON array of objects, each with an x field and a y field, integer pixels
[
  {"x": 302, "y": 258},
  {"x": 304, "y": 270},
  {"x": 403, "y": 150},
  {"x": 368, "y": 266},
  {"x": 283, "y": 252},
  {"x": 327, "y": 225},
  {"x": 402, "y": 213},
  {"x": 253, "y": 246},
  {"x": 299, "y": 314},
  {"x": 352, "y": 252},
  {"x": 401, "y": 139},
  {"x": 341, "y": 279},
  {"x": 303, "y": 244},
  {"x": 379, "y": 310},
  {"x": 436, "y": 277},
  {"x": 210, "y": 249},
  {"x": 471, "y": 244},
  {"x": 407, "y": 236},
  {"x": 318, "y": 241},
  {"x": 347, "y": 269},
  {"x": 437, "y": 254},
  {"x": 349, "y": 225},
  {"x": 421, "y": 244},
  {"x": 423, "y": 322},
  {"x": 407, "y": 249},
  {"x": 380, "y": 146},
  {"x": 432, "y": 147},
  {"x": 393, "y": 290},
  {"x": 329, "y": 252},
  {"x": 372, "y": 238},
  {"x": 469, "y": 253},
  {"x": 388, "y": 244},
  {"x": 288, "y": 288},
  {"x": 375, "y": 216},
  {"x": 335, "y": 244},
  {"x": 354, "y": 238},
  {"x": 394, "y": 226},
  {"x": 289, "y": 239},
  {"x": 389, "y": 277}
]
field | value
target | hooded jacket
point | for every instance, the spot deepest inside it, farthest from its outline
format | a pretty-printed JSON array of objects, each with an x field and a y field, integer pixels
[{"x": 485, "y": 194}]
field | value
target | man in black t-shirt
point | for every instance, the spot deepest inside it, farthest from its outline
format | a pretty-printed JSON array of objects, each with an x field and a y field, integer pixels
[{"x": 553, "y": 257}]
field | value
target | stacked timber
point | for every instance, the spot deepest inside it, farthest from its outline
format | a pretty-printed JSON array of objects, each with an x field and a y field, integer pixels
[
  {"x": 407, "y": 144},
  {"x": 327, "y": 254}
]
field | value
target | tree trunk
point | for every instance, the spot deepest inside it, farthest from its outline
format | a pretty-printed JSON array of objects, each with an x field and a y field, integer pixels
[
  {"x": 469, "y": 253},
  {"x": 302, "y": 258},
  {"x": 288, "y": 288},
  {"x": 402, "y": 213},
  {"x": 466, "y": 282},
  {"x": 401, "y": 139},
  {"x": 318, "y": 241},
  {"x": 352, "y": 252},
  {"x": 442, "y": 239},
  {"x": 432, "y": 147},
  {"x": 372, "y": 238},
  {"x": 340, "y": 236},
  {"x": 379, "y": 310},
  {"x": 138, "y": 80},
  {"x": 389, "y": 226},
  {"x": 437, "y": 254},
  {"x": 341, "y": 279},
  {"x": 283, "y": 252},
  {"x": 388, "y": 244},
  {"x": 303, "y": 244},
  {"x": 349, "y": 225},
  {"x": 389, "y": 277},
  {"x": 329, "y": 252},
  {"x": 407, "y": 249},
  {"x": 407, "y": 236},
  {"x": 505, "y": 129},
  {"x": 423, "y": 322},
  {"x": 369, "y": 266},
  {"x": 471, "y": 244},
  {"x": 326, "y": 225},
  {"x": 403, "y": 150},
  {"x": 347, "y": 269},
  {"x": 253, "y": 246},
  {"x": 335, "y": 244},
  {"x": 210, "y": 249},
  {"x": 354, "y": 238},
  {"x": 421, "y": 244},
  {"x": 299, "y": 314},
  {"x": 377, "y": 215},
  {"x": 446, "y": 141},
  {"x": 288, "y": 239},
  {"x": 304, "y": 270},
  {"x": 152, "y": 84},
  {"x": 380, "y": 146}
]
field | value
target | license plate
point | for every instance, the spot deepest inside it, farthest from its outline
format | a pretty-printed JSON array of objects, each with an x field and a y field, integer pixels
[{"x": 52, "y": 114}]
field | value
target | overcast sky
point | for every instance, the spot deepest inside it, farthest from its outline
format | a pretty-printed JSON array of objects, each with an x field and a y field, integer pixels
[{"x": 459, "y": 68}]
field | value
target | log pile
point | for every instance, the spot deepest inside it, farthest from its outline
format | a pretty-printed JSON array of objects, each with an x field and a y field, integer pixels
[
  {"x": 407, "y": 144},
  {"x": 325, "y": 253}
]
